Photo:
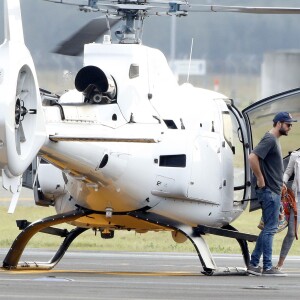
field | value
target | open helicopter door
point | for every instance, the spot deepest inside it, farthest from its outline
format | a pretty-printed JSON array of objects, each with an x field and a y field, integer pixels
[{"x": 258, "y": 120}]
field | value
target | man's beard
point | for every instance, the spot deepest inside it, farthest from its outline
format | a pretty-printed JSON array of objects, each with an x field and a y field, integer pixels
[{"x": 283, "y": 131}]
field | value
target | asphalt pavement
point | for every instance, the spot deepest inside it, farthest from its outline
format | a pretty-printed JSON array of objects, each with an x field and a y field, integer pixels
[{"x": 122, "y": 275}]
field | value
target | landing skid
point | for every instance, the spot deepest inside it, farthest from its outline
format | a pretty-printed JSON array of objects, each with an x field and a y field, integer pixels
[
  {"x": 13, "y": 256},
  {"x": 194, "y": 234}
]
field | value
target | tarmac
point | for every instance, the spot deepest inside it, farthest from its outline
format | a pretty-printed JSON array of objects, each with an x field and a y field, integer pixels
[{"x": 123, "y": 275}]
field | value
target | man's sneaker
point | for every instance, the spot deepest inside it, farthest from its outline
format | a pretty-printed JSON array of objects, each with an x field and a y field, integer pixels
[
  {"x": 273, "y": 272},
  {"x": 254, "y": 270}
]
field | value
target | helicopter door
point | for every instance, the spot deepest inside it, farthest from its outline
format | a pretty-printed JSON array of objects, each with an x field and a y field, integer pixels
[
  {"x": 258, "y": 120},
  {"x": 206, "y": 174},
  {"x": 212, "y": 172}
]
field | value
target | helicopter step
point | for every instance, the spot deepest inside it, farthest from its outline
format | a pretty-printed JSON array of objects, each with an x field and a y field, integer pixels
[
  {"x": 13, "y": 256},
  {"x": 194, "y": 234}
]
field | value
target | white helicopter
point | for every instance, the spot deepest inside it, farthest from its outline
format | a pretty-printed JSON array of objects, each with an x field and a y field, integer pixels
[{"x": 130, "y": 148}]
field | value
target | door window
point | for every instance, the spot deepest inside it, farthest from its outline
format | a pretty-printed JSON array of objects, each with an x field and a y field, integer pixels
[{"x": 261, "y": 121}]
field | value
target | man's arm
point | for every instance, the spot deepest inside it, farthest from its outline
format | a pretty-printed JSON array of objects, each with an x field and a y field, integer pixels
[{"x": 254, "y": 165}]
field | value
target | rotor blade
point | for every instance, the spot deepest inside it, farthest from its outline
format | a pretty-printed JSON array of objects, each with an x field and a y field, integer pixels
[
  {"x": 241, "y": 9},
  {"x": 21, "y": 133},
  {"x": 19, "y": 137},
  {"x": 13, "y": 185},
  {"x": 87, "y": 34},
  {"x": 13, "y": 202},
  {"x": 74, "y": 2},
  {"x": 17, "y": 140},
  {"x": 35, "y": 167}
]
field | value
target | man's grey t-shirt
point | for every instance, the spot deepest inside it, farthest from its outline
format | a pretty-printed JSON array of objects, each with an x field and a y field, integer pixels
[{"x": 270, "y": 160}]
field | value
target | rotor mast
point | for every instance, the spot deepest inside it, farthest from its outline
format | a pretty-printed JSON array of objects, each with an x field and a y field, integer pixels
[{"x": 131, "y": 31}]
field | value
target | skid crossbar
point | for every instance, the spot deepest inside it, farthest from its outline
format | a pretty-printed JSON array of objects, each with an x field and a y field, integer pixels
[
  {"x": 194, "y": 234},
  {"x": 11, "y": 261}
]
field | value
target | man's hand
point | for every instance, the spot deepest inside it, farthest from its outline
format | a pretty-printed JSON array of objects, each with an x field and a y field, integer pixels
[{"x": 254, "y": 164}]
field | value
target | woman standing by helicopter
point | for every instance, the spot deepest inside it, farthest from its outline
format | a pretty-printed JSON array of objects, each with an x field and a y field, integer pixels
[{"x": 292, "y": 167}]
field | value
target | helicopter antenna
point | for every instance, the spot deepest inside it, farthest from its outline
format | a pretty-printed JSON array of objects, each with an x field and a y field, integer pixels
[
  {"x": 108, "y": 26},
  {"x": 190, "y": 60},
  {"x": 141, "y": 28}
]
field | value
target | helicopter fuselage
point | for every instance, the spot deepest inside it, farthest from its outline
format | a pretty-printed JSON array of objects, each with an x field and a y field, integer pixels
[{"x": 156, "y": 146}]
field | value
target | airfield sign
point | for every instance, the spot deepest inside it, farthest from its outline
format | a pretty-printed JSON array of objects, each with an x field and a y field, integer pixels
[{"x": 191, "y": 67}]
